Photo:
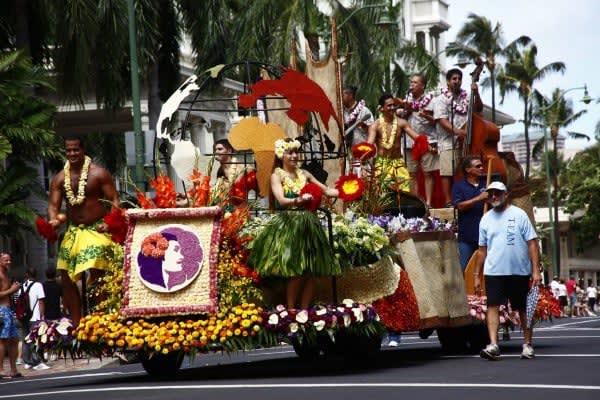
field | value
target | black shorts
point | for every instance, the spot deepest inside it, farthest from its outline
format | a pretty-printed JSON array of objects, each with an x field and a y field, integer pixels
[{"x": 500, "y": 288}]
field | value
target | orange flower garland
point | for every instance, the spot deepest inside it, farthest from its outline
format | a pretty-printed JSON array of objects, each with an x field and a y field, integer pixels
[{"x": 350, "y": 187}]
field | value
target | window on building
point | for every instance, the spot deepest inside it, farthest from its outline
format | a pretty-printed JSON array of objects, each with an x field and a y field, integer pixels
[{"x": 420, "y": 38}]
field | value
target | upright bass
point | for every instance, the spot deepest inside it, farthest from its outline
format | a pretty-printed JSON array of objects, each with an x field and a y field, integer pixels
[{"x": 483, "y": 136}]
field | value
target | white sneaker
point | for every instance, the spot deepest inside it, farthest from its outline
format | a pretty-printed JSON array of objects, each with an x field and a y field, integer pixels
[
  {"x": 26, "y": 366},
  {"x": 393, "y": 343},
  {"x": 40, "y": 367},
  {"x": 19, "y": 361},
  {"x": 491, "y": 352},
  {"x": 527, "y": 351}
]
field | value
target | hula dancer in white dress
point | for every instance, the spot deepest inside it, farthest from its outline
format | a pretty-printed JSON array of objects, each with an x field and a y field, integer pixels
[{"x": 294, "y": 245}]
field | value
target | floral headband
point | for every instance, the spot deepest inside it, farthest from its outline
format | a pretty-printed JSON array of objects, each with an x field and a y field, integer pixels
[{"x": 281, "y": 146}]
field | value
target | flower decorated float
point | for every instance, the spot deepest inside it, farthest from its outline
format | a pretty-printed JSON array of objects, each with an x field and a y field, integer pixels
[{"x": 182, "y": 283}]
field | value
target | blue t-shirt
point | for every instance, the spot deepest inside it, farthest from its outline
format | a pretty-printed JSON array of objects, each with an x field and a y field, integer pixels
[
  {"x": 468, "y": 220},
  {"x": 505, "y": 234}
]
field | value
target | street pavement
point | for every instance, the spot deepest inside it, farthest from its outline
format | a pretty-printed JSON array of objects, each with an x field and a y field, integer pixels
[{"x": 566, "y": 366}]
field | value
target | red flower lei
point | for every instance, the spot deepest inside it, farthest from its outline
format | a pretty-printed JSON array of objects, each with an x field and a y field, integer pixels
[
  {"x": 350, "y": 187},
  {"x": 315, "y": 191},
  {"x": 363, "y": 151}
]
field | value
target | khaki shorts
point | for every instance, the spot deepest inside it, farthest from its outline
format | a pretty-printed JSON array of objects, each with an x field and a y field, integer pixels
[
  {"x": 429, "y": 162},
  {"x": 447, "y": 165}
]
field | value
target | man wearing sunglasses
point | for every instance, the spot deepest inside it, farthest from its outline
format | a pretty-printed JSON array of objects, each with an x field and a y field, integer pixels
[
  {"x": 509, "y": 257},
  {"x": 468, "y": 197}
]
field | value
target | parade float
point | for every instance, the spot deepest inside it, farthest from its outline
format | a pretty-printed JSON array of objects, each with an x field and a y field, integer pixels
[{"x": 180, "y": 282}]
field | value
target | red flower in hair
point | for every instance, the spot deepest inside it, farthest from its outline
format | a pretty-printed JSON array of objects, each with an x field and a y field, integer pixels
[
  {"x": 46, "y": 230},
  {"x": 315, "y": 191},
  {"x": 350, "y": 187},
  {"x": 363, "y": 151}
]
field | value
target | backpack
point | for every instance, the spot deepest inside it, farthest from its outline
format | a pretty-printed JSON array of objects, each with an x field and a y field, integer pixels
[{"x": 23, "y": 311}]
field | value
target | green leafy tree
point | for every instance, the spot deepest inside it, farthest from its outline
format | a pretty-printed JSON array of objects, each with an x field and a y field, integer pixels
[
  {"x": 519, "y": 75},
  {"x": 581, "y": 181}
]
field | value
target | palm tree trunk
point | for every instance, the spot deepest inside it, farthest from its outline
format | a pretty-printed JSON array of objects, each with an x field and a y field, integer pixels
[
  {"x": 527, "y": 144},
  {"x": 493, "y": 81},
  {"x": 556, "y": 226}
]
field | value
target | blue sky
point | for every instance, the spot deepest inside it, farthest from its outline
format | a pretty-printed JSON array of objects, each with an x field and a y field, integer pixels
[{"x": 567, "y": 31}]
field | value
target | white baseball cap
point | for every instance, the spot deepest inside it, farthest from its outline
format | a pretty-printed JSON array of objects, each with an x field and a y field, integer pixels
[{"x": 497, "y": 186}]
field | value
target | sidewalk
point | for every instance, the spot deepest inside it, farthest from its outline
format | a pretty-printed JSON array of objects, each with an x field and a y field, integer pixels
[{"x": 65, "y": 365}]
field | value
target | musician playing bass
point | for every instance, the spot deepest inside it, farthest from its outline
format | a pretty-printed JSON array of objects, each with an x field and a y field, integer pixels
[{"x": 450, "y": 112}]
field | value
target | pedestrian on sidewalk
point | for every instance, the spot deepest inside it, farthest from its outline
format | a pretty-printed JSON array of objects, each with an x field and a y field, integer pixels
[
  {"x": 509, "y": 257},
  {"x": 37, "y": 304},
  {"x": 8, "y": 331}
]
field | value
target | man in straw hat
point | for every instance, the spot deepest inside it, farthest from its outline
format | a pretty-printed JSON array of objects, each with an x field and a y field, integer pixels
[{"x": 509, "y": 257}]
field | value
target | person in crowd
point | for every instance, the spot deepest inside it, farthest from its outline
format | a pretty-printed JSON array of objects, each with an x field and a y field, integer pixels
[
  {"x": 386, "y": 134},
  {"x": 8, "y": 330},
  {"x": 450, "y": 111},
  {"x": 357, "y": 119},
  {"x": 563, "y": 301},
  {"x": 53, "y": 292},
  {"x": 84, "y": 185},
  {"x": 592, "y": 295},
  {"x": 509, "y": 258},
  {"x": 468, "y": 197},
  {"x": 37, "y": 303},
  {"x": 554, "y": 286},
  {"x": 571, "y": 285},
  {"x": 418, "y": 110},
  {"x": 293, "y": 245}
]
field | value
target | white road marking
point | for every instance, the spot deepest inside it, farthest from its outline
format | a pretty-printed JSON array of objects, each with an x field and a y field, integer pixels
[{"x": 336, "y": 386}]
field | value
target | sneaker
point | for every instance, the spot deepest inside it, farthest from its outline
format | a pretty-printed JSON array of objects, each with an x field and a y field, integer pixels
[
  {"x": 40, "y": 367},
  {"x": 19, "y": 361},
  {"x": 393, "y": 343},
  {"x": 491, "y": 352},
  {"x": 527, "y": 351},
  {"x": 26, "y": 366}
]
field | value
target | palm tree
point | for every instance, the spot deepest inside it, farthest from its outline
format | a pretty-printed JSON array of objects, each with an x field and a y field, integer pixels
[
  {"x": 479, "y": 38},
  {"x": 519, "y": 75}
]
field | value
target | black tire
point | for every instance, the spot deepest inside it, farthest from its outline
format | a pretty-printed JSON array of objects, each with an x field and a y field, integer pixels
[
  {"x": 161, "y": 365},
  {"x": 477, "y": 337},
  {"x": 453, "y": 340}
]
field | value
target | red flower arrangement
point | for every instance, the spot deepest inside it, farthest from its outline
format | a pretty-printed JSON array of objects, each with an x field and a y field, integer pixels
[
  {"x": 547, "y": 306},
  {"x": 363, "y": 151},
  {"x": 239, "y": 190},
  {"x": 117, "y": 224},
  {"x": 245, "y": 271},
  {"x": 315, "y": 191},
  {"x": 232, "y": 224},
  {"x": 420, "y": 147},
  {"x": 400, "y": 311},
  {"x": 46, "y": 230},
  {"x": 200, "y": 192},
  {"x": 350, "y": 187},
  {"x": 166, "y": 195},
  {"x": 143, "y": 201}
]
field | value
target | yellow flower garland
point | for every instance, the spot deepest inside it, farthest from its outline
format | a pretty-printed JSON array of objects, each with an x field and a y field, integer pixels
[
  {"x": 74, "y": 201},
  {"x": 292, "y": 185},
  {"x": 387, "y": 139}
]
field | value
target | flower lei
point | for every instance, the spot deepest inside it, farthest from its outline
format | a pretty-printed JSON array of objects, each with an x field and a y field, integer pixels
[
  {"x": 154, "y": 245},
  {"x": 421, "y": 102},
  {"x": 460, "y": 105},
  {"x": 387, "y": 139},
  {"x": 281, "y": 146},
  {"x": 290, "y": 185},
  {"x": 355, "y": 112},
  {"x": 76, "y": 200}
]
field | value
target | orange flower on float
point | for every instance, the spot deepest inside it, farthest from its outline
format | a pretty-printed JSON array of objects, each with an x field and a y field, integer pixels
[
  {"x": 143, "y": 201},
  {"x": 363, "y": 151},
  {"x": 350, "y": 187},
  {"x": 166, "y": 195}
]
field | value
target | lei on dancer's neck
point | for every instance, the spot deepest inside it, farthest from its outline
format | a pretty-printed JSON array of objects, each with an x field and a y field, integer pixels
[
  {"x": 420, "y": 103},
  {"x": 292, "y": 185},
  {"x": 355, "y": 112},
  {"x": 460, "y": 105},
  {"x": 71, "y": 198},
  {"x": 388, "y": 137}
]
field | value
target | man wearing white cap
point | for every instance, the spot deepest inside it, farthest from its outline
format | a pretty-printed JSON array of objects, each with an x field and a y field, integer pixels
[{"x": 509, "y": 257}]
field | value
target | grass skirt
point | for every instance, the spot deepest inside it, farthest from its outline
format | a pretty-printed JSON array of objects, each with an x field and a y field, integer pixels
[{"x": 293, "y": 243}]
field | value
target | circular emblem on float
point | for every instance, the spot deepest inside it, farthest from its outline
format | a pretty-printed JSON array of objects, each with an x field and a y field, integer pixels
[{"x": 170, "y": 258}]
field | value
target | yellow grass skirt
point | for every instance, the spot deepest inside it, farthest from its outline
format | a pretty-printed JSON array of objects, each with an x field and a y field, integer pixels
[{"x": 83, "y": 248}]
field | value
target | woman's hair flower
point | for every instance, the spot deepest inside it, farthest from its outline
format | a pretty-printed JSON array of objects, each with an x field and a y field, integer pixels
[{"x": 281, "y": 145}]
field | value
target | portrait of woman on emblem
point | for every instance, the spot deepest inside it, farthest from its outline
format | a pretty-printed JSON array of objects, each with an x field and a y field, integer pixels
[{"x": 170, "y": 259}]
